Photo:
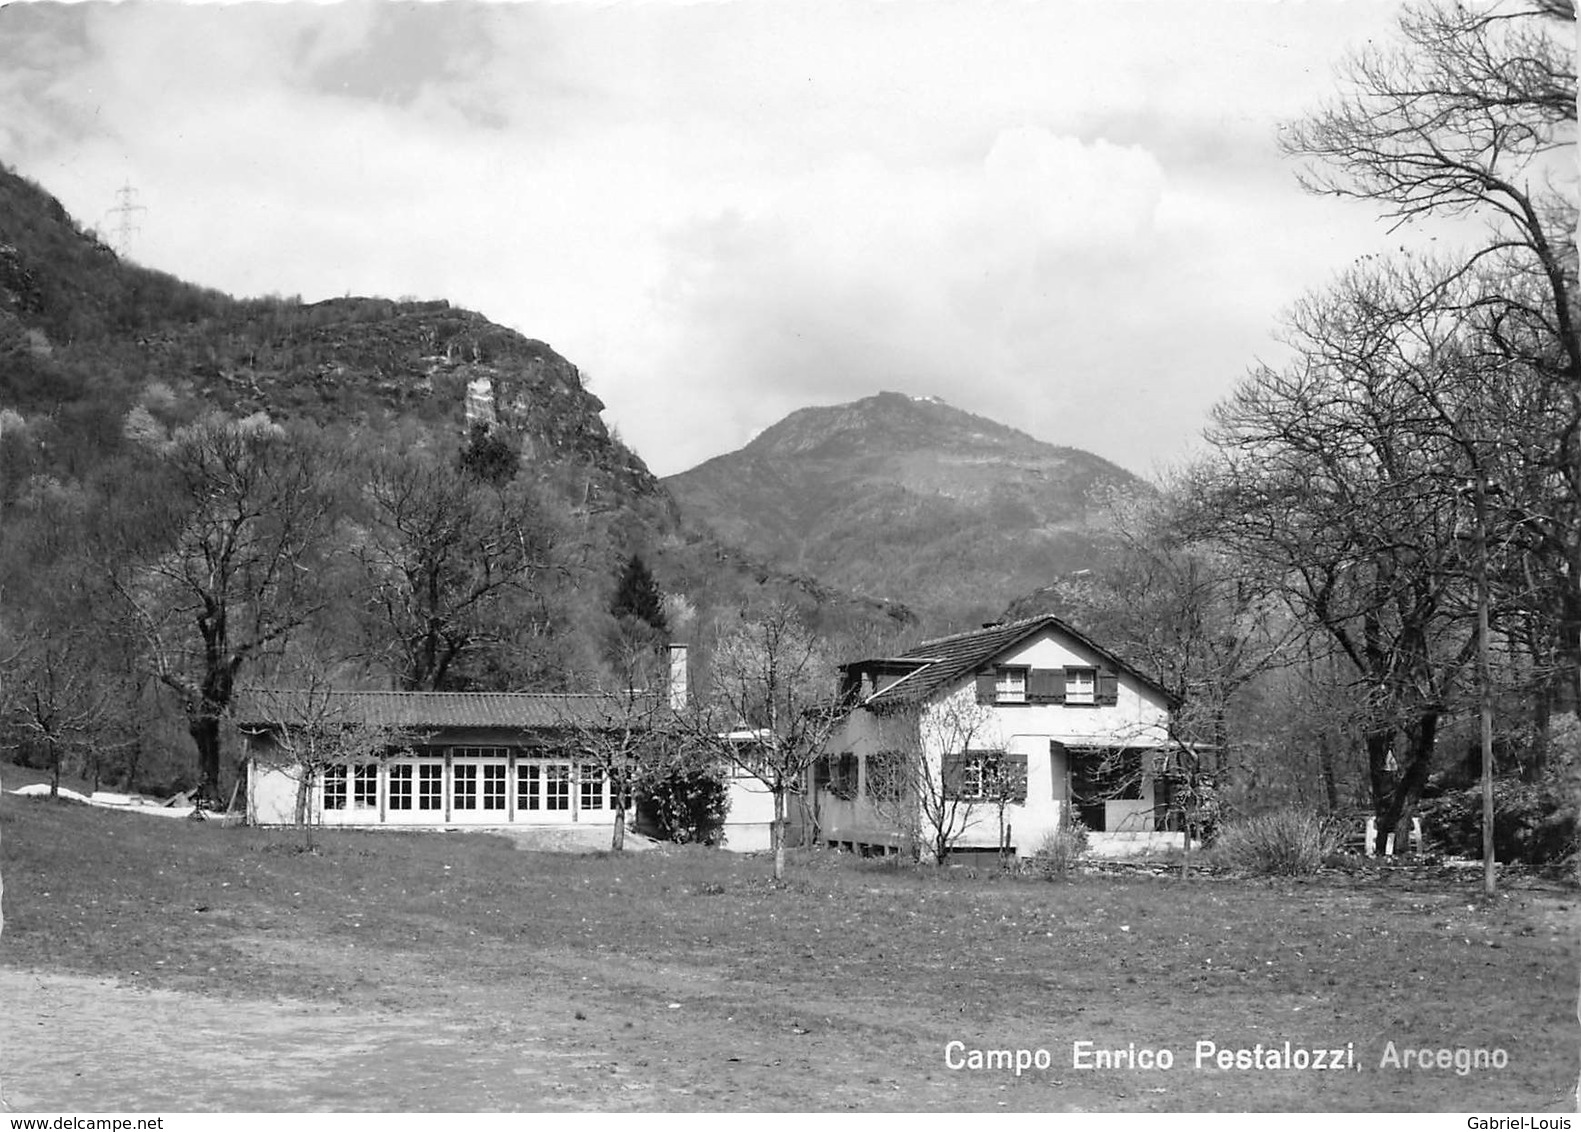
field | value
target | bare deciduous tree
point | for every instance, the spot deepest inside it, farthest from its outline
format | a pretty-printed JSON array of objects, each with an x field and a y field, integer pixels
[
  {"x": 1346, "y": 476},
  {"x": 632, "y": 734},
  {"x": 311, "y": 733},
  {"x": 1468, "y": 114},
  {"x": 941, "y": 770},
  {"x": 450, "y": 565},
  {"x": 53, "y": 692},
  {"x": 218, "y": 562},
  {"x": 771, "y": 679},
  {"x": 1472, "y": 114}
]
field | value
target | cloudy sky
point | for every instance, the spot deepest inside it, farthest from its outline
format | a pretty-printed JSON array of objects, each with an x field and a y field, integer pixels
[{"x": 1068, "y": 216}]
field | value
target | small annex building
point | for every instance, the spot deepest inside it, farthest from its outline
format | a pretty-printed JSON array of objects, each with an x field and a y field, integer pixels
[
  {"x": 1032, "y": 714},
  {"x": 448, "y": 760}
]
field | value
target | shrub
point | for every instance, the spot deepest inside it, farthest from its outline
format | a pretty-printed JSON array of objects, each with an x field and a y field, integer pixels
[
  {"x": 688, "y": 807},
  {"x": 1534, "y": 823},
  {"x": 1281, "y": 843},
  {"x": 1060, "y": 850}
]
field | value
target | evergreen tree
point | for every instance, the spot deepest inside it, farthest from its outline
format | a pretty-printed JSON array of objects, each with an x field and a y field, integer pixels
[
  {"x": 638, "y": 595},
  {"x": 488, "y": 457}
]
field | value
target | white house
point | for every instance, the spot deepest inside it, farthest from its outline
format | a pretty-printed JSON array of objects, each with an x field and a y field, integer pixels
[
  {"x": 450, "y": 760},
  {"x": 1029, "y": 713}
]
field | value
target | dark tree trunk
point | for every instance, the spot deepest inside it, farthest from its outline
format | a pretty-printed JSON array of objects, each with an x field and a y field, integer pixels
[
  {"x": 204, "y": 713},
  {"x": 618, "y": 841},
  {"x": 204, "y": 726},
  {"x": 1393, "y": 805},
  {"x": 1326, "y": 772},
  {"x": 777, "y": 834},
  {"x": 1567, "y": 689},
  {"x": 1379, "y": 743},
  {"x": 1542, "y": 730}
]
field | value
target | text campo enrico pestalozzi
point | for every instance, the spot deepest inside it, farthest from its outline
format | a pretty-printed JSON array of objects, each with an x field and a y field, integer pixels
[{"x": 1207, "y": 1054}]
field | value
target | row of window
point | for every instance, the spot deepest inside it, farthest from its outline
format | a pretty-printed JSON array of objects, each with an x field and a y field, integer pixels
[
  {"x": 969, "y": 776},
  {"x": 1079, "y": 685},
  {"x": 474, "y": 786}
]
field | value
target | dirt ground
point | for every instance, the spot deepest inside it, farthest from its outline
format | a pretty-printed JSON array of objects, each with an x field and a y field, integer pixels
[
  {"x": 91, "y": 1045},
  {"x": 177, "y": 967}
]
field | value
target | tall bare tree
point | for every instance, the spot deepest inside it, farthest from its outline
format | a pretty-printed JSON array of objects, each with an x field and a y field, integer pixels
[
  {"x": 1472, "y": 113},
  {"x": 220, "y": 559},
  {"x": 773, "y": 702},
  {"x": 1355, "y": 474},
  {"x": 451, "y": 565}
]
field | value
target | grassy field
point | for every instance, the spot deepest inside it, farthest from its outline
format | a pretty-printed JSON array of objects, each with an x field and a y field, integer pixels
[{"x": 163, "y": 964}]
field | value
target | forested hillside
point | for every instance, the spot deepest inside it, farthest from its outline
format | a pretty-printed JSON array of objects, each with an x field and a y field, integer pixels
[{"x": 198, "y": 491}]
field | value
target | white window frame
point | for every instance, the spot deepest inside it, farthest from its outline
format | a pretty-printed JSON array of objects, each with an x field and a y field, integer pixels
[
  {"x": 465, "y": 796},
  {"x": 495, "y": 781},
  {"x": 558, "y": 782},
  {"x": 430, "y": 787},
  {"x": 529, "y": 787},
  {"x": 974, "y": 770},
  {"x": 479, "y": 780},
  {"x": 351, "y": 787},
  {"x": 1086, "y": 694},
  {"x": 337, "y": 790},
  {"x": 364, "y": 786},
  {"x": 403, "y": 787},
  {"x": 592, "y": 787},
  {"x": 1010, "y": 684}
]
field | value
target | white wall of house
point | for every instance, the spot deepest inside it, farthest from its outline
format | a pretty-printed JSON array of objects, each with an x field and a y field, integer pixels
[
  {"x": 533, "y": 793},
  {"x": 479, "y": 788},
  {"x": 750, "y": 818},
  {"x": 271, "y": 795},
  {"x": 1139, "y": 718}
]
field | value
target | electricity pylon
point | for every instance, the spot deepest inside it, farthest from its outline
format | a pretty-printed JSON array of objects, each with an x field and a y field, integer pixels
[{"x": 124, "y": 227}]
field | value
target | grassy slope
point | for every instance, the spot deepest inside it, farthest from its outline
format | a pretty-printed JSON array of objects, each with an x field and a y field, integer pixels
[{"x": 839, "y": 990}]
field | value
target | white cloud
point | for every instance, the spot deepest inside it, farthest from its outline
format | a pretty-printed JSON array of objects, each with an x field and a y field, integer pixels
[{"x": 1069, "y": 216}]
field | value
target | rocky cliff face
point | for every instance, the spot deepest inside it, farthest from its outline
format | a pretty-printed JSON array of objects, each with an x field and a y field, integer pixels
[
  {"x": 68, "y": 305},
  {"x": 909, "y": 499},
  {"x": 86, "y": 338}
]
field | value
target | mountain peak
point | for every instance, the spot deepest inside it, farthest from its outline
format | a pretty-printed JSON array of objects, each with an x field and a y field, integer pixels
[
  {"x": 890, "y": 422},
  {"x": 908, "y": 498}
]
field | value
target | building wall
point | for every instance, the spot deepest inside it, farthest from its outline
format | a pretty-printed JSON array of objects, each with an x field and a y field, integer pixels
[
  {"x": 750, "y": 817},
  {"x": 1139, "y": 718},
  {"x": 500, "y": 781},
  {"x": 272, "y": 793}
]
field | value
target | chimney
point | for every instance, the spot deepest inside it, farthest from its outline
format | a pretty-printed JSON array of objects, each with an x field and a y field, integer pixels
[{"x": 677, "y": 677}]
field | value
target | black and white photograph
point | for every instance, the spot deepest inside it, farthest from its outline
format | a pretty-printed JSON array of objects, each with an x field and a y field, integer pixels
[{"x": 789, "y": 556}]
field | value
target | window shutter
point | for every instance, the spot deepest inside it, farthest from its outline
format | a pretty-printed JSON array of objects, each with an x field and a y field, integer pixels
[
  {"x": 951, "y": 770},
  {"x": 1108, "y": 688},
  {"x": 1040, "y": 685},
  {"x": 1058, "y": 685},
  {"x": 1057, "y": 755},
  {"x": 1015, "y": 777},
  {"x": 985, "y": 688}
]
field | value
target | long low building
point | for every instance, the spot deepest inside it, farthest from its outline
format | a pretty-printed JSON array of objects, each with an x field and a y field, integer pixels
[{"x": 443, "y": 760}]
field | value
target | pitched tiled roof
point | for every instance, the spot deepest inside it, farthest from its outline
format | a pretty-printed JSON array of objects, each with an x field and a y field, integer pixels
[
  {"x": 953, "y": 658},
  {"x": 428, "y": 710}
]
